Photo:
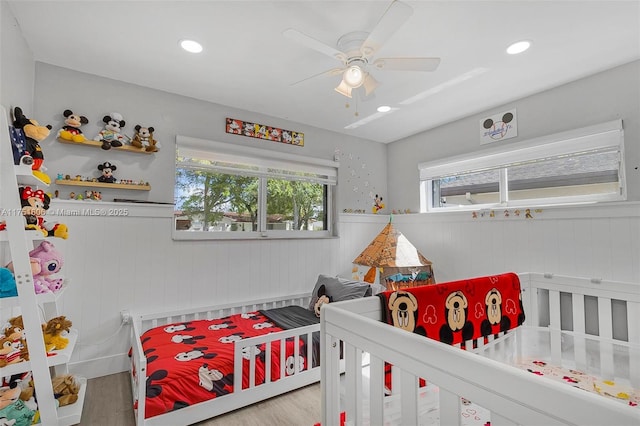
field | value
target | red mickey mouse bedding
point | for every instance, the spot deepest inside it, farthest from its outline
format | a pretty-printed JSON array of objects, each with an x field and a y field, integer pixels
[
  {"x": 457, "y": 311},
  {"x": 192, "y": 362}
]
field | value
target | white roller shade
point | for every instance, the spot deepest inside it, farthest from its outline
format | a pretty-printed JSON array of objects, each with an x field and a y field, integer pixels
[
  {"x": 602, "y": 137},
  {"x": 226, "y": 158}
]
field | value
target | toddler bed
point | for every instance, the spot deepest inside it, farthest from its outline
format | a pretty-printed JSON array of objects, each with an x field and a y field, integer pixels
[
  {"x": 582, "y": 335},
  {"x": 191, "y": 365}
]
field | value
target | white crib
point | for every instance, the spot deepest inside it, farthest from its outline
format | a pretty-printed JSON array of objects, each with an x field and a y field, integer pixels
[{"x": 560, "y": 322}]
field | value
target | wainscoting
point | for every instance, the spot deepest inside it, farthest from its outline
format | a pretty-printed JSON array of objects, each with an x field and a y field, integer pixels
[{"x": 130, "y": 262}]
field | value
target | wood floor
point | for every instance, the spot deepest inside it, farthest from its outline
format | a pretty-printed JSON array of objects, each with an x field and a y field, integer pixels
[{"x": 108, "y": 403}]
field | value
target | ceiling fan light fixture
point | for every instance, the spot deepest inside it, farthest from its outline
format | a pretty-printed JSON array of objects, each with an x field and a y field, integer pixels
[
  {"x": 353, "y": 76},
  {"x": 343, "y": 89},
  {"x": 384, "y": 108}
]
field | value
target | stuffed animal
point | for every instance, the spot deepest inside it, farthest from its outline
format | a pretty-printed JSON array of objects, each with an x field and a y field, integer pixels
[
  {"x": 24, "y": 382},
  {"x": 33, "y": 133},
  {"x": 110, "y": 135},
  {"x": 52, "y": 330},
  {"x": 10, "y": 352},
  {"x": 50, "y": 261},
  {"x": 71, "y": 129},
  {"x": 143, "y": 139},
  {"x": 7, "y": 284},
  {"x": 107, "y": 169},
  {"x": 14, "y": 330},
  {"x": 13, "y": 409},
  {"x": 35, "y": 203},
  {"x": 65, "y": 389},
  {"x": 322, "y": 299}
]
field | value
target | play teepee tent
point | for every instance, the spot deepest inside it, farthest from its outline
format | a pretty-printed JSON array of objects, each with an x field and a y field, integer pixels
[{"x": 391, "y": 260}]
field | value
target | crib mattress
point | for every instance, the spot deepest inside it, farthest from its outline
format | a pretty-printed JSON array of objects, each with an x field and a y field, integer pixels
[{"x": 586, "y": 363}]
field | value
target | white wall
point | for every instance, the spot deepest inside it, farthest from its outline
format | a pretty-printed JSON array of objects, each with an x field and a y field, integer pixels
[
  {"x": 609, "y": 95},
  {"x": 58, "y": 89},
  {"x": 596, "y": 241},
  {"x": 16, "y": 64}
]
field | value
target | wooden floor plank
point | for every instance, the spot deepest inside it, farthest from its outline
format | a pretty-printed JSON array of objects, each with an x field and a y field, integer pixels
[{"x": 108, "y": 403}]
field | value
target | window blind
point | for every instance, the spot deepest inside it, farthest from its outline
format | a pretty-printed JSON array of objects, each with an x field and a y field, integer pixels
[
  {"x": 605, "y": 137},
  {"x": 225, "y": 158}
]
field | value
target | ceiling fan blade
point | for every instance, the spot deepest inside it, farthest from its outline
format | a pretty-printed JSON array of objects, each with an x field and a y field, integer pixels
[
  {"x": 396, "y": 15},
  {"x": 314, "y": 44},
  {"x": 407, "y": 64},
  {"x": 331, "y": 72}
]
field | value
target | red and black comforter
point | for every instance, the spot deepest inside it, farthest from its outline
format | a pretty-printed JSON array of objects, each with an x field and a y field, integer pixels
[{"x": 192, "y": 362}]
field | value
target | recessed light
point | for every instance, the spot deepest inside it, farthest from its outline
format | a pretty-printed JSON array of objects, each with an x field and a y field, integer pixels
[
  {"x": 384, "y": 108},
  {"x": 518, "y": 47},
  {"x": 191, "y": 46}
]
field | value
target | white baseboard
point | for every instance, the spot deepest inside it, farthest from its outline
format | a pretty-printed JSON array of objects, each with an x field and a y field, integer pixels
[{"x": 99, "y": 367}]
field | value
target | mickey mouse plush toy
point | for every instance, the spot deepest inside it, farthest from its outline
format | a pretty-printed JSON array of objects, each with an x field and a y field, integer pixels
[
  {"x": 107, "y": 172},
  {"x": 71, "y": 129},
  {"x": 110, "y": 135},
  {"x": 33, "y": 134}
]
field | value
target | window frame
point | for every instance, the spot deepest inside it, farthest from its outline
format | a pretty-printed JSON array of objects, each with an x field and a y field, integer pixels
[
  {"x": 599, "y": 137},
  {"x": 263, "y": 159}
]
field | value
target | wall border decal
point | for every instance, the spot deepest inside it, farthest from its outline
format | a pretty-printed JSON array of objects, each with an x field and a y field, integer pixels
[{"x": 262, "y": 131}]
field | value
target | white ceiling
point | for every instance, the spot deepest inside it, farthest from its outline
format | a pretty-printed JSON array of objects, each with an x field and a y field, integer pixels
[{"x": 248, "y": 63}]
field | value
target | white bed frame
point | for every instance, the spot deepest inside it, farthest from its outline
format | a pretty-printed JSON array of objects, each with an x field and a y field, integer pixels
[
  {"x": 513, "y": 396},
  {"x": 240, "y": 397}
]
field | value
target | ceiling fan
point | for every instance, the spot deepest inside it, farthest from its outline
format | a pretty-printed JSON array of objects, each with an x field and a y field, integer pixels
[{"x": 356, "y": 51}]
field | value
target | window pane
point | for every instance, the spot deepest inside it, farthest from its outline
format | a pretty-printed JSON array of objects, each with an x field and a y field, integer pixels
[
  {"x": 587, "y": 174},
  {"x": 296, "y": 205},
  {"x": 467, "y": 189},
  {"x": 215, "y": 202}
]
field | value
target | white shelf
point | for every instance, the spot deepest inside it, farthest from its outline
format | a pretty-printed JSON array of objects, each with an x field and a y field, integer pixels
[
  {"x": 13, "y": 302},
  {"x": 25, "y": 176},
  {"x": 30, "y": 234},
  {"x": 72, "y": 413},
  {"x": 59, "y": 357}
]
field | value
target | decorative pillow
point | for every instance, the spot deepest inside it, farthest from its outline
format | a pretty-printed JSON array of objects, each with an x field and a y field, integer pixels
[{"x": 338, "y": 289}]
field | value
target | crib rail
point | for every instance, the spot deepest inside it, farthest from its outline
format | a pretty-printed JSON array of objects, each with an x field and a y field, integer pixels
[
  {"x": 147, "y": 321},
  {"x": 142, "y": 322},
  {"x": 513, "y": 396},
  {"x": 298, "y": 364},
  {"x": 569, "y": 306}
]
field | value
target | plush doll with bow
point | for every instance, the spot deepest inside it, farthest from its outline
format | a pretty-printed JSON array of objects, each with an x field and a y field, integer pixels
[{"x": 35, "y": 203}]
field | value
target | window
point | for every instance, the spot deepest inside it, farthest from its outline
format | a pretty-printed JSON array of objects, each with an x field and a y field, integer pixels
[
  {"x": 583, "y": 165},
  {"x": 227, "y": 191}
]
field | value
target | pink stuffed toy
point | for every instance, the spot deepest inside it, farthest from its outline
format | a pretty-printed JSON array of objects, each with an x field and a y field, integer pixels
[{"x": 50, "y": 261}]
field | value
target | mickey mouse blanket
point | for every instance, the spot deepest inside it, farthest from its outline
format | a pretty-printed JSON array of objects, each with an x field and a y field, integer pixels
[{"x": 457, "y": 311}]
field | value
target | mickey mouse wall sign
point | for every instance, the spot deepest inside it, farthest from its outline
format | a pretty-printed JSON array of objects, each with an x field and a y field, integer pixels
[{"x": 498, "y": 127}]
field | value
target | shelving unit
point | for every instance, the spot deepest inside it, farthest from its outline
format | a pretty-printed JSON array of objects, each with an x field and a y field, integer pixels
[
  {"x": 103, "y": 185},
  {"x": 96, "y": 144},
  {"x": 30, "y": 305}
]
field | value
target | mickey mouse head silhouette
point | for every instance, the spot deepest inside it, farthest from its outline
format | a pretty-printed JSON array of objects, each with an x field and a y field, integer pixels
[{"x": 498, "y": 129}]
